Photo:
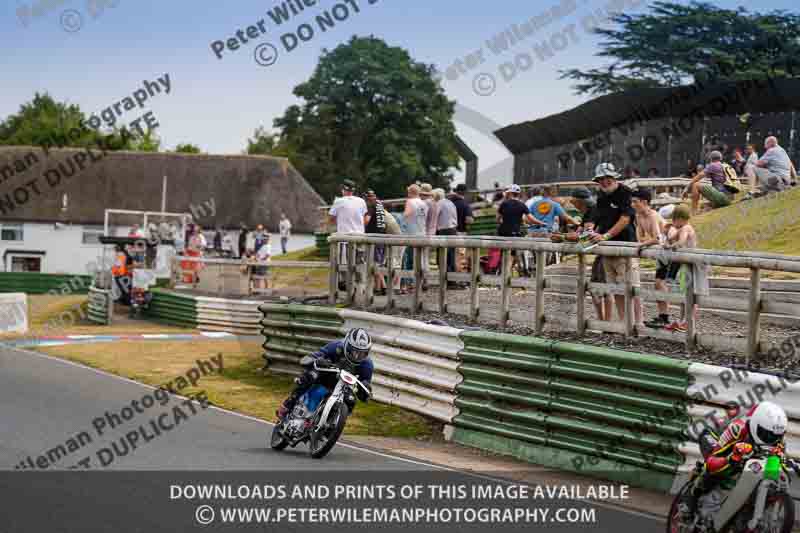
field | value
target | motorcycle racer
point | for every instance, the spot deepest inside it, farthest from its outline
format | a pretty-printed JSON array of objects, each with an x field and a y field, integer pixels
[
  {"x": 351, "y": 354},
  {"x": 763, "y": 426}
]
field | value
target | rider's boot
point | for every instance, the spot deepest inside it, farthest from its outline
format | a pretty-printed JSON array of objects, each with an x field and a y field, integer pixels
[{"x": 287, "y": 405}]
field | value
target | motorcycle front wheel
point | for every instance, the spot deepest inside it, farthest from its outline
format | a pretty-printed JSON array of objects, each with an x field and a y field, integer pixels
[
  {"x": 277, "y": 441},
  {"x": 779, "y": 515},
  {"x": 323, "y": 439},
  {"x": 676, "y": 522}
]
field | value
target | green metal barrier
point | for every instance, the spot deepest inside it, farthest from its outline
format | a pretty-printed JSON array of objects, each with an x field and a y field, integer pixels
[
  {"x": 174, "y": 309},
  {"x": 293, "y": 331},
  {"x": 591, "y": 410},
  {"x": 38, "y": 283},
  {"x": 483, "y": 225}
]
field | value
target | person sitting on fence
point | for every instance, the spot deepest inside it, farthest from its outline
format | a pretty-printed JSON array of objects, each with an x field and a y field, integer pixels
[
  {"x": 649, "y": 231},
  {"x": 716, "y": 192}
]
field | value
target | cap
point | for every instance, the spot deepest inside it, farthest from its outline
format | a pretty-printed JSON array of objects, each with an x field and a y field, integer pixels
[
  {"x": 605, "y": 170},
  {"x": 348, "y": 185},
  {"x": 643, "y": 194},
  {"x": 370, "y": 192},
  {"x": 426, "y": 189},
  {"x": 461, "y": 187},
  {"x": 514, "y": 189}
]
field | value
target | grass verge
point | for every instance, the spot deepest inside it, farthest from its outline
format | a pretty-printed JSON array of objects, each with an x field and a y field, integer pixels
[{"x": 241, "y": 387}]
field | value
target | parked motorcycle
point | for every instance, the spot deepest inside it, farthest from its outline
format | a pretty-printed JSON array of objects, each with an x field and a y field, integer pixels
[
  {"x": 758, "y": 501},
  {"x": 319, "y": 416}
]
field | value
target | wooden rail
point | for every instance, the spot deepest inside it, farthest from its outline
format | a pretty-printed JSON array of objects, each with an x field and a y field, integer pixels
[{"x": 742, "y": 300}]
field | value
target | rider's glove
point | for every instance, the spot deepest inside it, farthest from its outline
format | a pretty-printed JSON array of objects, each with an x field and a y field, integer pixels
[
  {"x": 741, "y": 451},
  {"x": 362, "y": 395}
]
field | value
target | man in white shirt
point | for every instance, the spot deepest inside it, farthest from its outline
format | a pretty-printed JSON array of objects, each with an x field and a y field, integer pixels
[
  {"x": 285, "y": 228},
  {"x": 349, "y": 213}
]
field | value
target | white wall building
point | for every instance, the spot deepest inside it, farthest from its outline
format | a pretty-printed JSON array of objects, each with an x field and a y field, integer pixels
[{"x": 57, "y": 248}]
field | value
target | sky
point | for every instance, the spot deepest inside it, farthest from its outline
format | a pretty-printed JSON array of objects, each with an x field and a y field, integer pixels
[{"x": 97, "y": 53}]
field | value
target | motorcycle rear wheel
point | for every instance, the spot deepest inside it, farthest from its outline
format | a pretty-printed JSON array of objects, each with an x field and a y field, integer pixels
[
  {"x": 277, "y": 441},
  {"x": 323, "y": 439}
]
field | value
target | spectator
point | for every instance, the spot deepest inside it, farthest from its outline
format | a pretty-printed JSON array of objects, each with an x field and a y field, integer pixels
[
  {"x": 546, "y": 210},
  {"x": 376, "y": 223},
  {"x": 499, "y": 195},
  {"x": 415, "y": 215},
  {"x": 285, "y": 228},
  {"x": 750, "y": 165},
  {"x": 774, "y": 170},
  {"x": 649, "y": 231},
  {"x": 584, "y": 202},
  {"x": 716, "y": 193},
  {"x": 738, "y": 162},
  {"x": 218, "y": 240},
  {"x": 426, "y": 194},
  {"x": 464, "y": 213},
  {"x": 635, "y": 174},
  {"x": 691, "y": 169},
  {"x": 196, "y": 248},
  {"x": 652, "y": 173},
  {"x": 612, "y": 220},
  {"x": 511, "y": 213},
  {"x": 262, "y": 256},
  {"x": 227, "y": 245},
  {"x": 261, "y": 237},
  {"x": 396, "y": 259},
  {"x": 679, "y": 235},
  {"x": 243, "y": 239},
  {"x": 349, "y": 213},
  {"x": 535, "y": 196},
  {"x": 446, "y": 225}
]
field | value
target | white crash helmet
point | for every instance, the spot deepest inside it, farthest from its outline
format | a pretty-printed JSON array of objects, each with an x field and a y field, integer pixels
[
  {"x": 767, "y": 424},
  {"x": 357, "y": 345}
]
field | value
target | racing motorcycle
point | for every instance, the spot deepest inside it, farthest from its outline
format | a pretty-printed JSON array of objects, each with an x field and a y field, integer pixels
[
  {"x": 319, "y": 416},
  {"x": 758, "y": 501}
]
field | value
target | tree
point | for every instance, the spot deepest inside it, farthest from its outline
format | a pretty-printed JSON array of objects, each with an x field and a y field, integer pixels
[
  {"x": 371, "y": 114},
  {"x": 150, "y": 142},
  {"x": 262, "y": 143},
  {"x": 676, "y": 44},
  {"x": 44, "y": 119},
  {"x": 48, "y": 123},
  {"x": 188, "y": 149}
]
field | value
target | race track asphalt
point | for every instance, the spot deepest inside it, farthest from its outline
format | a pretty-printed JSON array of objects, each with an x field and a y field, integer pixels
[{"x": 46, "y": 404}]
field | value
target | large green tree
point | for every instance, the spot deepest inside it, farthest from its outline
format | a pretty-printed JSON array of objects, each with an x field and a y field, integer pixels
[
  {"x": 675, "y": 44},
  {"x": 372, "y": 114}
]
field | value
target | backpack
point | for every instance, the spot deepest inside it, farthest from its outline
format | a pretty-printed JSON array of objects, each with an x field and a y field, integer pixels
[{"x": 731, "y": 179}]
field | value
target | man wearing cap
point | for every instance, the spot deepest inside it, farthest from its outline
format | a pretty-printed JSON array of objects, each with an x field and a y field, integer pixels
[
  {"x": 511, "y": 213},
  {"x": 612, "y": 220},
  {"x": 349, "y": 213},
  {"x": 716, "y": 193}
]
